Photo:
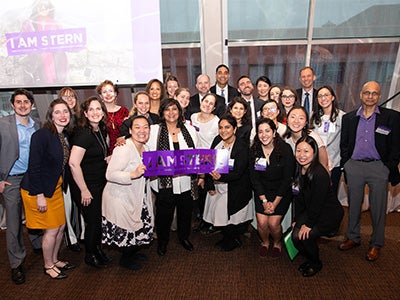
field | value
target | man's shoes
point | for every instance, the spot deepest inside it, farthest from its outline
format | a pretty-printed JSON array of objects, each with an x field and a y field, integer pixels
[
  {"x": 304, "y": 266},
  {"x": 17, "y": 275},
  {"x": 231, "y": 245},
  {"x": 102, "y": 257},
  {"x": 187, "y": 244},
  {"x": 91, "y": 260},
  {"x": 348, "y": 244},
  {"x": 74, "y": 247},
  {"x": 161, "y": 249},
  {"x": 372, "y": 254}
]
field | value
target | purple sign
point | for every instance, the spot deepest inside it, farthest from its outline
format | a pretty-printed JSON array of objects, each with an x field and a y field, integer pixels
[
  {"x": 179, "y": 162},
  {"x": 22, "y": 43}
]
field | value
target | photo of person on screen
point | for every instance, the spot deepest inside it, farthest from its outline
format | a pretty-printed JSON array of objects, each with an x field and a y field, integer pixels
[{"x": 50, "y": 67}]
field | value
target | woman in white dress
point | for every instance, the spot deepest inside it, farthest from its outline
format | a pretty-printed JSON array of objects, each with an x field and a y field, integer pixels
[
  {"x": 229, "y": 200},
  {"x": 127, "y": 207}
]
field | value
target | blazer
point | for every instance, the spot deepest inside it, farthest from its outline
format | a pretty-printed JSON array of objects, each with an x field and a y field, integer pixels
[
  {"x": 232, "y": 92},
  {"x": 9, "y": 145},
  {"x": 194, "y": 106},
  {"x": 45, "y": 163},
  {"x": 388, "y": 145},
  {"x": 238, "y": 179}
]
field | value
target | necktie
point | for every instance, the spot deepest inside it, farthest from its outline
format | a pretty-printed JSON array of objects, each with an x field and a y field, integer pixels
[
  {"x": 223, "y": 93},
  {"x": 307, "y": 103}
]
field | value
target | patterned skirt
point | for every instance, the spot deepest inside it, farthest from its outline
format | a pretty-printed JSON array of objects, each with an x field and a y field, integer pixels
[{"x": 113, "y": 234}]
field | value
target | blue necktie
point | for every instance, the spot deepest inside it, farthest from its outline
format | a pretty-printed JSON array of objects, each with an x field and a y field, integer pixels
[{"x": 307, "y": 103}]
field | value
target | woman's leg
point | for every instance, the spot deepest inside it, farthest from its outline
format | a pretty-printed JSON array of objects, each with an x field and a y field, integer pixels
[
  {"x": 274, "y": 224},
  {"x": 58, "y": 241},
  {"x": 263, "y": 229}
]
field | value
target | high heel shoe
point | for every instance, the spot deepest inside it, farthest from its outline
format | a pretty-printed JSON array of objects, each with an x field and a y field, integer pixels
[
  {"x": 67, "y": 266},
  {"x": 60, "y": 274}
]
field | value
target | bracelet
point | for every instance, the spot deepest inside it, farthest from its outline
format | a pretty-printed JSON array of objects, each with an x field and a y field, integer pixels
[{"x": 264, "y": 200}]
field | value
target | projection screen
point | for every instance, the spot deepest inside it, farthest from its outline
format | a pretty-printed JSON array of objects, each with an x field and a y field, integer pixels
[{"x": 79, "y": 42}]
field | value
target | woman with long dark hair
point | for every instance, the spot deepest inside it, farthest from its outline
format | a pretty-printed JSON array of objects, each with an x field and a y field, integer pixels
[
  {"x": 228, "y": 202},
  {"x": 327, "y": 123},
  {"x": 317, "y": 210},
  {"x": 41, "y": 187},
  {"x": 271, "y": 168}
]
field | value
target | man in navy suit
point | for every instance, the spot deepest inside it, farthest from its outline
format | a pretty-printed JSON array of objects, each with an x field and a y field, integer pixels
[
  {"x": 203, "y": 87},
  {"x": 307, "y": 93},
  {"x": 221, "y": 87},
  {"x": 370, "y": 150},
  {"x": 15, "y": 135},
  {"x": 246, "y": 88}
]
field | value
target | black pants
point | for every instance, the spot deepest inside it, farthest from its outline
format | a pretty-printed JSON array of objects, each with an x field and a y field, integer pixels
[
  {"x": 309, "y": 247},
  {"x": 166, "y": 202},
  {"x": 92, "y": 217}
]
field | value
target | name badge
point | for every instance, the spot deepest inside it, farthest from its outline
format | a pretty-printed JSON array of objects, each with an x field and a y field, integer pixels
[
  {"x": 383, "y": 130},
  {"x": 231, "y": 163},
  {"x": 260, "y": 164}
]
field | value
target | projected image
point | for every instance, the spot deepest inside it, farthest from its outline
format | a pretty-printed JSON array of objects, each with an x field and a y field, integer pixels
[{"x": 57, "y": 43}]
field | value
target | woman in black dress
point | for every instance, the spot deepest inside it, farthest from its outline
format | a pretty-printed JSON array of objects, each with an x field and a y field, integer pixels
[
  {"x": 317, "y": 210},
  {"x": 272, "y": 168}
]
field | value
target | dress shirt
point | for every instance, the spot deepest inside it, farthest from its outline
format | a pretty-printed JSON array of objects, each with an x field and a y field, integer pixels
[
  {"x": 24, "y": 140},
  {"x": 365, "y": 138}
]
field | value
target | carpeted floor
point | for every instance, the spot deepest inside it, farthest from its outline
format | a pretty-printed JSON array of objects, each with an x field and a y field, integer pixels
[{"x": 207, "y": 273}]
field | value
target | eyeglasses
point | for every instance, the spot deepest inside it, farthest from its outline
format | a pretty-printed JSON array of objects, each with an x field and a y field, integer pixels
[
  {"x": 271, "y": 109},
  {"x": 68, "y": 97},
  {"x": 368, "y": 94},
  {"x": 323, "y": 96},
  {"x": 288, "y": 97}
]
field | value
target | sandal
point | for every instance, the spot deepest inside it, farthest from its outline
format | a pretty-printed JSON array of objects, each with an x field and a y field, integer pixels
[
  {"x": 67, "y": 266},
  {"x": 54, "y": 269}
]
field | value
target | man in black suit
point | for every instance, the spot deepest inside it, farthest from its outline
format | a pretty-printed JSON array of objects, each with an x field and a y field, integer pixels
[
  {"x": 221, "y": 87},
  {"x": 370, "y": 150},
  {"x": 203, "y": 87},
  {"x": 246, "y": 88},
  {"x": 307, "y": 93}
]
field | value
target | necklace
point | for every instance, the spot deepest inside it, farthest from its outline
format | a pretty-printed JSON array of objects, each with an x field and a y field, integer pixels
[{"x": 100, "y": 139}]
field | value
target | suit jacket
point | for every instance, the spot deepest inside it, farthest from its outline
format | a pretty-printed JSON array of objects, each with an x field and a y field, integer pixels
[
  {"x": 314, "y": 98},
  {"x": 257, "y": 106},
  {"x": 232, "y": 92},
  {"x": 45, "y": 163},
  {"x": 194, "y": 106},
  {"x": 9, "y": 145},
  {"x": 388, "y": 145},
  {"x": 238, "y": 179}
]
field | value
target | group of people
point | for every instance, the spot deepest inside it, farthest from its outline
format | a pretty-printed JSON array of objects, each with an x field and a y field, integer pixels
[{"x": 286, "y": 149}]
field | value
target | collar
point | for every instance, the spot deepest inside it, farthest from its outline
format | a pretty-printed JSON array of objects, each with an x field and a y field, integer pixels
[{"x": 359, "y": 112}]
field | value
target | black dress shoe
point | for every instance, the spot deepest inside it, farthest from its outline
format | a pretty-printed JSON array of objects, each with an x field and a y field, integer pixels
[
  {"x": 231, "y": 245},
  {"x": 187, "y": 245},
  {"x": 17, "y": 275},
  {"x": 102, "y": 257},
  {"x": 311, "y": 270},
  {"x": 91, "y": 260},
  {"x": 74, "y": 247},
  {"x": 303, "y": 266},
  {"x": 67, "y": 266},
  {"x": 161, "y": 249}
]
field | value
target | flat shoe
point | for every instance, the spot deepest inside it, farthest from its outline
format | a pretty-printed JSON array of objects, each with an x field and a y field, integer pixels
[
  {"x": 91, "y": 260},
  {"x": 275, "y": 252},
  {"x": 263, "y": 251},
  {"x": 187, "y": 245},
  {"x": 67, "y": 266}
]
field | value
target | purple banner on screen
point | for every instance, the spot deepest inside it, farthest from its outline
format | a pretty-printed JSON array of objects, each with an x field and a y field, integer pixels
[
  {"x": 180, "y": 162},
  {"x": 23, "y": 43}
]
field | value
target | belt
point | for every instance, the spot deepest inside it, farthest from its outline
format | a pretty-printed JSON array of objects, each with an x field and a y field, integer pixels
[
  {"x": 367, "y": 159},
  {"x": 15, "y": 175}
]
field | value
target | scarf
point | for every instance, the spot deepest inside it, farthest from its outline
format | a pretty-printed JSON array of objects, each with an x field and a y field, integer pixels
[{"x": 163, "y": 144}]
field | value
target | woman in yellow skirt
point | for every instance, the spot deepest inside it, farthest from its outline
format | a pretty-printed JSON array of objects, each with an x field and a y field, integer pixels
[{"x": 41, "y": 186}]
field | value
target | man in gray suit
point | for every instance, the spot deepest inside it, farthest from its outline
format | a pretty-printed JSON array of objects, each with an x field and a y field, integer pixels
[{"x": 15, "y": 136}]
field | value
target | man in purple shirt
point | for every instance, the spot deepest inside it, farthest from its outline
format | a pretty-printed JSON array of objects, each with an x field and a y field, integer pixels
[{"x": 370, "y": 150}]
